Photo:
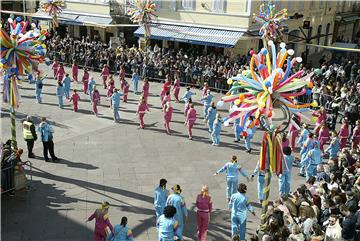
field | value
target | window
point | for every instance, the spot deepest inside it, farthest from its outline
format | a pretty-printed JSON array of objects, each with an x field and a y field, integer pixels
[
  {"x": 301, "y": 5},
  {"x": 173, "y": 5},
  {"x": 318, "y": 34},
  {"x": 321, "y": 4},
  {"x": 219, "y": 6},
  {"x": 327, "y": 34},
  {"x": 188, "y": 4}
]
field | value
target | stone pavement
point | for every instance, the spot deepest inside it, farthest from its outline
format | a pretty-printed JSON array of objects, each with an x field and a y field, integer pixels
[{"x": 122, "y": 164}]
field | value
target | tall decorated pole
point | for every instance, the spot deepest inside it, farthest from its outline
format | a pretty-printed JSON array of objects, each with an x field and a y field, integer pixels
[
  {"x": 21, "y": 53},
  {"x": 53, "y": 8},
  {"x": 142, "y": 12},
  {"x": 269, "y": 91}
]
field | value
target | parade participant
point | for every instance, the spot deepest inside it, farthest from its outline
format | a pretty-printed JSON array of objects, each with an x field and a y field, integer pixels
[
  {"x": 122, "y": 76},
  {"x": 126, "y": 91},
  {"x": 211, "y": 116},
  {"x": 110, "y": 88},
  {"x": 204, "y": 208},
  {"x": 47, "y": 132},
  {"x": 101, "y": 222},
  {"x": 334, "y": 146},
  {"x": 146, "y": 88},
  {"x": 75, "y": 99},
  {"x": 324, "y": 135},
  {"x": 85, "y": 80},
  {"x": 285, "y": 140},
  {"x": 29, "y": 134},
  {"x": 168, "y": 110},
  {"x": 207, "y": 99},
  {"x": 178, "y": 202},
  {"x": 167, "y": 226},
  {"x": 135, "y": 79},
  {"x": 205, "y": 89},
  {"x": 188, "y": 95},
  {"x": 215, "y": 134},
  {"x": 321, "y": 117},
  {"x": 303, "y": 135},
  {"x": 105, "y": 72},
  {"x": 55, "y": 68},
  {"x": 67, "y": 82},
  {"x": 165, "y": 88},
  {"x": 141, "y": 110},
  {"x": 121, "y": 232},
  {"x": 95, "y": 96},
  {"x": 344, "y": 133},
  {"x": 115, "y": 99},
  {"x": 232, "y": 169},
  {"x": 160, "y": 196},
  {"x": 239, "y": 204},
  {"x": 75, "y": 71},
  {"x": 260, "y": 182},
  {"x": 294, "y": 131},
  {"x": 60, "y": 91},
  {"x": 187, "y": 107},
  {"x": 176, "y": 88},
  {"x": 313, "y": 158},
  {"x": 355, "y": 138},
  {"x": 60, "y": 73},
  {"x": 38, "y": 87},
  {"x": 307, "y": 146},
  {"x": 190, "y": 119},
  {"x": 250, "y": 129},
  {"x": 91, "y": 85},
  {"x": 165, "y": 99},
  {"x": 237, "y": 130},
  {"x": 285, "y": 176}
]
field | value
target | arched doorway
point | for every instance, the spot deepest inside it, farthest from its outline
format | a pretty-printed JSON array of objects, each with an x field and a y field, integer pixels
[
  {"x": 326, "y": 42},
  {"x": 319, "y": 37}
]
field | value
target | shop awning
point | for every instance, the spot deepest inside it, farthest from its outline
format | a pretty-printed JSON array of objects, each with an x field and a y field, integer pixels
[
  {"x": 193, "y": 35},
  {"x": 74, "y": 18},
  {"x": 345, "y": 45}
]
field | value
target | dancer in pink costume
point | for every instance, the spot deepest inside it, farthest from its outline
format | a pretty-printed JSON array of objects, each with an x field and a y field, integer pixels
[
  {"x": 126, "y": 91},
  {"x": 165, "y": 99},
  {"x": 110, "y": 88},
  {"x": 102, "y": 222},
  {"x": 75, "y": 72},
  {"x": 95, "y": 100},
  {"x": 141, "y": 110},
  {"x": 324, "y": 136},
  {"x": 60, "y": 73},
  {"x": 344, "y": 133},
  {"x": 146, "y": 89},
  {"x": 294, "y": 130},
  {"x": 75, "y": 100},
  {"x": 190, "y": 119},
  {"x": 122, "y": 77},
  {"x": 321, "y": 117},
  {"x": 105, "y": 72},
  {"x": 168, "y": 110},
  {"x": 85, "y": 80},
  {"x": 165, "y": 88},
  {"x": 176, "y": 89},
  {"x": 204, "y": 208},
  {"x": 55, "y": 68},
  {"x": 205, "y": 89}
]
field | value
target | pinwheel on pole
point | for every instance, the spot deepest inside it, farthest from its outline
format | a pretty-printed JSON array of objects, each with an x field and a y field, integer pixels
[{"x": 53, "y": 8}]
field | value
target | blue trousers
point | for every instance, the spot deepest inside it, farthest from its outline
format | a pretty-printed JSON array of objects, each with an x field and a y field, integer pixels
[
  {"x": 260, "y": 187},
  {"x": 311, "y": 171},
  {"x": 303, "y": 166},
  {"x": 206, "y": 108},
  {"x": 116, "y": 113},
  {"x": 231, "y": 186},
  {"x": 237, "y": 132},
  {"x": 285, "y": 183},
  {"x": 61, "y": 101},
  {"x": 248, "y": 142},
  {"x": 211, "y": 125},
  {"x": 238, "y": 226},
  {"x": 38, "y": 95},
  {"x": 136, "y": 84},
  {"x": 159, "y": 211},
  {"x": 67, "y": 92},
  {"x": 215, "y": 137}
]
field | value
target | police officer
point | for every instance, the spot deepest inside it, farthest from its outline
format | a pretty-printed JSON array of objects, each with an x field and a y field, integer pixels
[{"x": 29, "y": 135}]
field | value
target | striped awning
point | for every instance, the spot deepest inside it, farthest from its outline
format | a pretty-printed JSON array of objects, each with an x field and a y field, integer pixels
[{"x": 193, "y": 35}]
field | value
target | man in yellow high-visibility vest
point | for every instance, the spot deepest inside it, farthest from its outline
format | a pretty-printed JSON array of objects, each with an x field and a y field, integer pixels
[{"x": 29, "y": 134}]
